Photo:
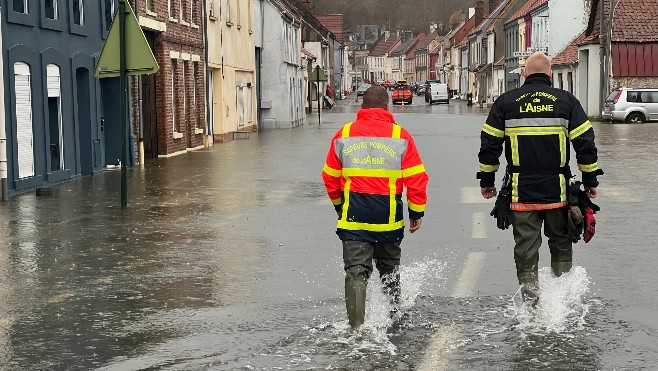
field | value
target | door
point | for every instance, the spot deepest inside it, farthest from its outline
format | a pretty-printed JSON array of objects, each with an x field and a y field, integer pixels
[
  {"x": 149, "y": 113},
  {"x": 650, "y": 99}
]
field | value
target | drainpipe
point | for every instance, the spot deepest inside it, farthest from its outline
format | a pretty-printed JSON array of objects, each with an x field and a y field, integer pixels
[{"x": 4, "y": 192}]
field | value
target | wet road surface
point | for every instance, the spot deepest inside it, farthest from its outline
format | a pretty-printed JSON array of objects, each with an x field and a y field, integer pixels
[{"x": 226, "y": 259}]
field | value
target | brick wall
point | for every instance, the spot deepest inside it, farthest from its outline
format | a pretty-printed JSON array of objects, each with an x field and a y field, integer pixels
[
  {"x": 180, "y": 47},
  {"x": 635, "y": 82}
]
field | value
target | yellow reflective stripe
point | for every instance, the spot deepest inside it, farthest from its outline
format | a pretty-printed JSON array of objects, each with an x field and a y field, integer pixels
[
  {"x": 346, "y": 197},
  {"x": 343, "y": 224},
  {"x": 518, "y": 206},
  {"x": 413, "y": 171},
  {"x": 563, "y": 188},
  {"x": 416, "y": 208},
  {"x": 331, "y": 171},
  {"x": 547, "y": 130},
  {"x": 392, "y": 204},
  {"x": 489, "y": 168},
  {"x": 514, "y": 143},
  {"x": 588, "y": 168},
  {"x": 563, "y": 150},
  {"x": 373, "y": 173},
  {"x": 336, "y": 201},
  {"x": 346, "y": 130},
  {"x": 575, "y": 133},
  {"x": 493, "y": 131},
  {"x": 396, "y": 131},
  {"x": 515, "y": 187}
]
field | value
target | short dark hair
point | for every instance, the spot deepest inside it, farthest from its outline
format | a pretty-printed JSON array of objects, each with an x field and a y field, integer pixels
[{"x": 375, "y": 97}]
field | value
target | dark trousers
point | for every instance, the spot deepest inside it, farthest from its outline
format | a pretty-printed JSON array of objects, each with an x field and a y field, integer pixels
[
  {"x": 358, "y": 257},
  {"x": 527, "y": 236}
]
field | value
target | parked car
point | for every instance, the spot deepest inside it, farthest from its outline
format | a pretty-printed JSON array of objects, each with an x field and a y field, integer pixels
[
  {"x": 438, "y": 93},
  {"x": 630, "y": 105},
  {"x": 362, "y": 89},
  {"x": 428, "y": 83},
  {"x": 402, "y": 94}
]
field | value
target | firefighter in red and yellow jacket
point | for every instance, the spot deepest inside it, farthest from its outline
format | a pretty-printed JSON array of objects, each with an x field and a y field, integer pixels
[
  {"x": 369, "y": 162},
  {"x": 535, "y": 124}
]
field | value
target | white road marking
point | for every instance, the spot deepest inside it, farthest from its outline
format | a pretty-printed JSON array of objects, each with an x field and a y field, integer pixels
[
  {"x": 435, "y": 358},
  {"x": 479, "y": 225},
  {"x": 472, "y": 195}
]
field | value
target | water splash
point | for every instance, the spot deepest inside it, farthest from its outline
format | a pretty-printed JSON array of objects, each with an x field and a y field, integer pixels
[
  {"x": 562, "y": 306},
  {"x": 374, "y": 334}
]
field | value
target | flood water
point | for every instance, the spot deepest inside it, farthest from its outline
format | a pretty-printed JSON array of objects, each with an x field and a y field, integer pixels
[{"x": 226, "y": 259}]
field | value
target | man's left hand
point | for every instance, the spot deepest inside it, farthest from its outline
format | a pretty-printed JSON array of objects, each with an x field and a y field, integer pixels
[{"x": 414, "y": 224}]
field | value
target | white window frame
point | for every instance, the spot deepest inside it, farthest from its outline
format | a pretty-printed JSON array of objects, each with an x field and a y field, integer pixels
[
  {"x": 240, "y": 93},
  {"x": 24, "y": 124},
  {"x": 195, "y": 102},
  {"x": 25, "y": 7},
  {"x": 250, "y": 103},
  {"x": 191, "y": 12},
  {"x": 169, "y": 8}
]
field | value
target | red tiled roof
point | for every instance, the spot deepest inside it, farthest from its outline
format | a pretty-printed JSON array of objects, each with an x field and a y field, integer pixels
[
  {"x": 382, "y": 45},
  {"x": 635, "y": 21},
  {"x": 568, "y": 55},
  {"x": 334, "y": 23},
  {"x": 503, "y": 12},
  {"x": 307, "y": 53},
  {"x": 528, "y": 8}
]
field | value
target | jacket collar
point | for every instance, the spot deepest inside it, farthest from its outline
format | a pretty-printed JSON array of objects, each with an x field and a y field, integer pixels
[
  {"x": 374, "y": 114},
  {"x": 538, "y": 78}
]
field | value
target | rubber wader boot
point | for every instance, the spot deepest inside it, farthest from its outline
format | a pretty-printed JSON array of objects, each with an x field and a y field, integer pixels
[
  {"x": 559, "y": 268},
  {"x": 529, "y": 287},
  {"x": 392, "y": 289},
  {"x": 355, "y": 301}
]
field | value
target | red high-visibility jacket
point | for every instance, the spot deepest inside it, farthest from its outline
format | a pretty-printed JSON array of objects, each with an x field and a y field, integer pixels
[{"x": 369, "y": 162}]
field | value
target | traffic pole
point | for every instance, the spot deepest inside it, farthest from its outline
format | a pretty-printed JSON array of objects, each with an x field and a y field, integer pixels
[{"x": 123, "y": 97}]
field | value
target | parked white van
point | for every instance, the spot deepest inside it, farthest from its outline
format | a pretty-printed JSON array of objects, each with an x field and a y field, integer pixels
[
  {"x": 438, "y": 93},
  {"x": 634, "y": 106}
]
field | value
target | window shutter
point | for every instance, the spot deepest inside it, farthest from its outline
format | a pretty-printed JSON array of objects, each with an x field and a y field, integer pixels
[
  {"x": 24, "y": 136},
  {"x": 52, "y": 81}
]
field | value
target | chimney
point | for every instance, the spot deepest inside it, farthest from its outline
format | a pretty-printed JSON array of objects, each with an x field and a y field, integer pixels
[{"x": 479, "y": 12}]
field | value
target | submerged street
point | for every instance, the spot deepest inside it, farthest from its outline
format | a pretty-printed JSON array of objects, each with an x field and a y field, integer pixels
[{"x": 226, "y": 259}]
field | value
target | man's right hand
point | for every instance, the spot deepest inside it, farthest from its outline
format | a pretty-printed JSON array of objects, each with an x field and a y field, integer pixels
[
  {"x": 488, "y": 192},
  {"x": 414, "y": 224},
  {"x": 591, "y": 192}
]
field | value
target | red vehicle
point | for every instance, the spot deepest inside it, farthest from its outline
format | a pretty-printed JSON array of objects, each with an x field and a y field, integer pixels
[{"x": 402, "y": 94}]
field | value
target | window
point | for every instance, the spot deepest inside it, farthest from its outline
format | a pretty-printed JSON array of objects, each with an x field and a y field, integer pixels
[
  {"x": 110, "y": 9},
  {"x": 240, "y": 93},
  {"x": 51, "y": 9},
  {"x": 20, "y": 6},
  {"x": 650, "y": 97},
  {"x": 238, "y": 18},
  {"x": 174, "y": 122},
  {"x": 195, "y": 102},
  {"x": 249, "y": 9},
  {"x": 228, "y": 13},
  {"x": 560, "y": 82},
  {"x": 570, "y": 82},
  {"x": 180, "y": 10},
  {"x": 211, "y": 8},
  {"x": 169, "y": 10},
  {"x": 55, "y": 118},
  {"x": 633, "y": 96},
  {"x": 23, "y": 108},
  {"x": 149, "y": 5},
  {"x": 186, "y": 111},
  {"x": 250, "y": 103},
  {"x": 78, "y": 12}
]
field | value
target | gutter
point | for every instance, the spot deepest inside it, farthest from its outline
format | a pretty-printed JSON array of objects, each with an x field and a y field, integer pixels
[{"x": 4, "y": 191}]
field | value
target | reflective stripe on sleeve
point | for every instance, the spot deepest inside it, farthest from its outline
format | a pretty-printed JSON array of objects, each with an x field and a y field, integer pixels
[
  {"x": 332, "y": 172},
  {"x": 346, "y": 130},
  {"x": 336, "y": 201},
  {"x": 396, "y": 131},
  {"x": 493, "y": 131},
  {"x": 416, "y": 208},
  {"x": 588, "y": 168},
  {"x": 413, "y": 171},
  {"x": 575, "y": 133},
  {"x": 489, "y": 168}
]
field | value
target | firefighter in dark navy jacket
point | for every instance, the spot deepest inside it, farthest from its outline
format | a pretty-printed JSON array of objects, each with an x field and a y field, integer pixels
[
  {"x": 535, "y": 124},
  {"x": 369, "y": 162}
]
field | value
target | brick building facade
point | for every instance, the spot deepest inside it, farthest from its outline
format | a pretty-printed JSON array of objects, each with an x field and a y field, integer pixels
[{"x": 173, "y": 104}]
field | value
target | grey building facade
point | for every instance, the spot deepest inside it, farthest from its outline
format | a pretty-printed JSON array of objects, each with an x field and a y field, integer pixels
[{"x": 61, "y": 122}]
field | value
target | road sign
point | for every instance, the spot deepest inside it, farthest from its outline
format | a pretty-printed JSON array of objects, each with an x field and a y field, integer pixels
[
  {"x": 139, "y": 56},
  {"x": 318, "y": 75}
]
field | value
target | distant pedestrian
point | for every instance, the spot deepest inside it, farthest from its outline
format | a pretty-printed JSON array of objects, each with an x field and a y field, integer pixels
[
  {"x": 329, "y": 92},
  {"x": 369, "y": 162},
  {"x": 535, "y": 123}
]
